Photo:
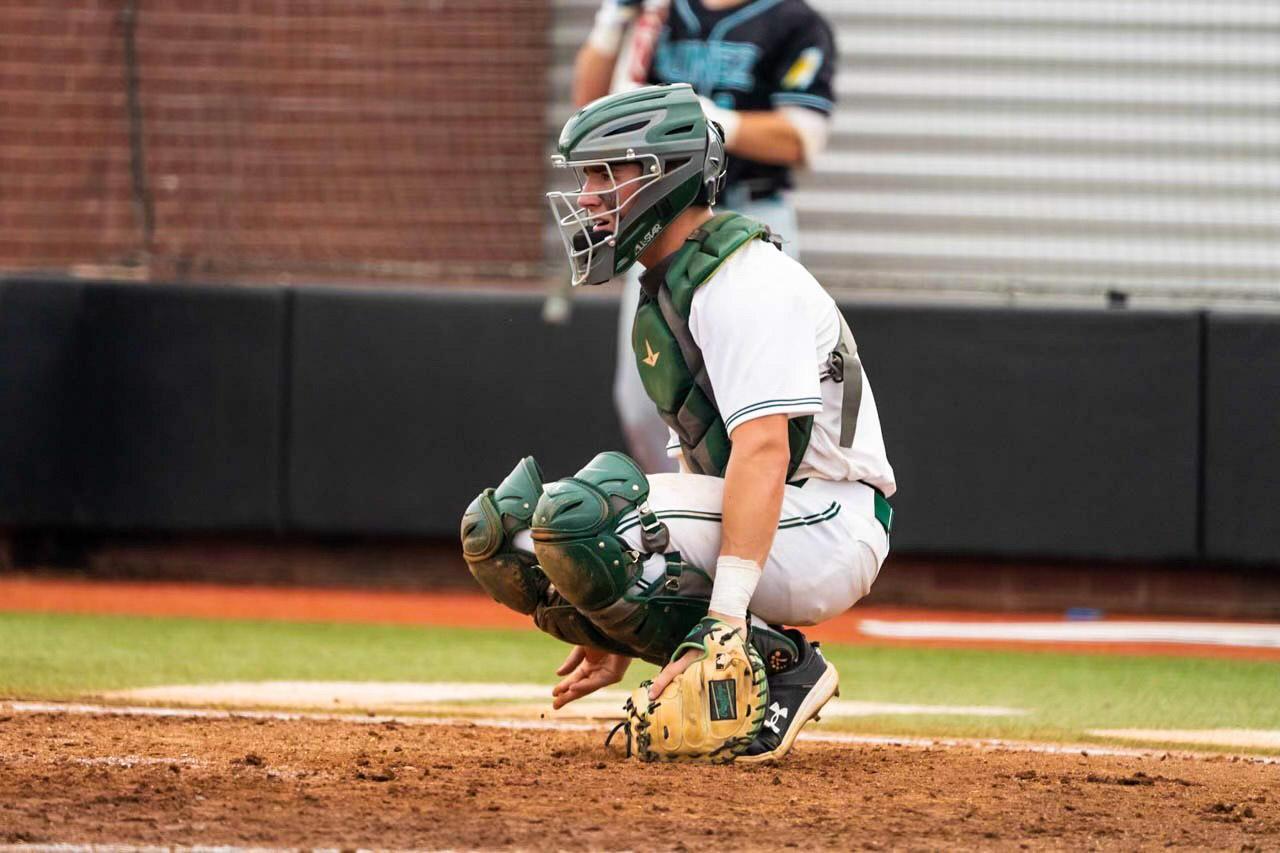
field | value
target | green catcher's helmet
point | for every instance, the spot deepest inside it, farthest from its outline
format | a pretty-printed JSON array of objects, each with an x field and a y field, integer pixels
[{"x": 681, "y": 157}]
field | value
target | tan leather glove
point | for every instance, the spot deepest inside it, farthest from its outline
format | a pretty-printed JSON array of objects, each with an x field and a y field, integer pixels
[{"x": 712, "y": 711}]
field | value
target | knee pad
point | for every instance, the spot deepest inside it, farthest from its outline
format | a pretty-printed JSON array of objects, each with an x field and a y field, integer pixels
[
  {"x": 597, "y": 571},
  {"x": 573, "y": 530},
  {"x": 489, "y": 525}
]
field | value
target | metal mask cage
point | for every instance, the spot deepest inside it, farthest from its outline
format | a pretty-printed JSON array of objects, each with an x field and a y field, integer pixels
[{"x": 575, "y": 223}]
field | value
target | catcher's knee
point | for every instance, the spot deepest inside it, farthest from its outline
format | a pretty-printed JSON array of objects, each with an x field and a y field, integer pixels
[
  {"x": 512, "y": 576},
  {"x": 489, "y": 525},
  {"x": 573, "y": 530},
  {"x": 598, "y": 572}
]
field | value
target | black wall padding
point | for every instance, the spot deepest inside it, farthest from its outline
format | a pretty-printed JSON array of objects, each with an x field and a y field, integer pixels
[
  {"x": 1024, "y": 433},
  {"x": 1242, "y": 438},
  {"x": 140, "y": 407},
  {"x": 406, "y": 404},
  {"x": 1038, "y": 433},
  {"x": 40, "y": 403}
]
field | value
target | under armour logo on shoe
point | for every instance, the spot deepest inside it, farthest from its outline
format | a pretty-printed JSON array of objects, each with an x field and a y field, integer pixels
[{"x": 778, "y": 713}]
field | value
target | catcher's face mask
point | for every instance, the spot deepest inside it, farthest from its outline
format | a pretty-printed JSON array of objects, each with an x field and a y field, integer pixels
[
  {"x": 672, "y": 156},
  {"x": 591, "y": 218}
]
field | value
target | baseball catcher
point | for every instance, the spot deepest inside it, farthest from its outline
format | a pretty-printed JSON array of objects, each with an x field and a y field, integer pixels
[{"x": 779, "y": 515}]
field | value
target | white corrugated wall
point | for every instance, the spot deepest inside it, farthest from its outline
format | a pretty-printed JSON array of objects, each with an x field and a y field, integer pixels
[{"x": 1042, "y": 149}]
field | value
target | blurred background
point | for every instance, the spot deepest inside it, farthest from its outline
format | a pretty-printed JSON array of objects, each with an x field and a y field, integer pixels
[{"x": 272, "y": 280}]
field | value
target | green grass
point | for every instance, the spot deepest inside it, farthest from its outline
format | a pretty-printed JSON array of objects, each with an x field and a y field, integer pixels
[
  {"x": 59, "y": 656},
  {"x": 1064, "y": 693},
  {"x": 45, "y": 656}
]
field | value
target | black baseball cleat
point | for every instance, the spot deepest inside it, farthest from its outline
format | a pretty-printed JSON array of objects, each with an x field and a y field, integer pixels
[{"x": 796, "y": 695}]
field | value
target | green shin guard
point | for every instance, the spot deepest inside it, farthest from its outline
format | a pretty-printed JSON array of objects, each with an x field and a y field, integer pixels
[
  {"x": 597, "y": 571},
  {"x": 573, "y": 526},
  {"x": 512, "y": 577}
]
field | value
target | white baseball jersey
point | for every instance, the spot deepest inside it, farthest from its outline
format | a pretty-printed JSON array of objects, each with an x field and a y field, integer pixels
[{"x": 766, "y": 329}]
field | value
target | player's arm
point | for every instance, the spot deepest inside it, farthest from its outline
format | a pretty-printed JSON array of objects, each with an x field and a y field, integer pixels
[
  {"x": 795, "y": 131},
  {"x": 753, "y": 485},
  {"x": 592, "y": 74},
  {"x": 754, "y": 482},
  {"x": 594, "y": 65},
  {"x": 765, "y": 136}
]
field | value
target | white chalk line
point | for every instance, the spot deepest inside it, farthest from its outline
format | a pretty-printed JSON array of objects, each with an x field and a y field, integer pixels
[
  {"x": 415, "y": 696},
  {"x": 981, "y": 744},
  {"x": 127, "y": 761},
  {"x": 221, "y": 714},
  {"x": 328, "y": 694},
  {"x": 1233, "y": 634},
  {"x": 1244, "y": 738},
  {"x": 124, "y": 762}
]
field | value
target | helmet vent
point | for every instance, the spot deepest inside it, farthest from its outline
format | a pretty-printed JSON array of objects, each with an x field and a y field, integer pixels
[
  {"x": 688, "y": 128},
  {"x": 627, "y": 128}
]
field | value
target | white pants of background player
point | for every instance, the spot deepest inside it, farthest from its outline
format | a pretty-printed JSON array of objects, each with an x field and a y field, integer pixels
[
  {"x": 645, "y": 432},
  {"x": 825, "y": 556}
]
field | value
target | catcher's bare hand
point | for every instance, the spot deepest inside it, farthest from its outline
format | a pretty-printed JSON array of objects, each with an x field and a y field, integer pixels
[
  {"x": 672, "y": 670},
  {"x": 586, "y": 670}
]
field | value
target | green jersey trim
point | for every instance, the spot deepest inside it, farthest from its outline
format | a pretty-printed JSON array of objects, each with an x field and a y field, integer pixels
[
  {"x": 632, "y": 522},
  {"x": 763, "y": 405}
]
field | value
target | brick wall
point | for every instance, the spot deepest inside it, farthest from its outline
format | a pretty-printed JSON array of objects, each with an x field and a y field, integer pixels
[
  {"x": 279, "y": 139},
  {"x": 64, "y": 136}
]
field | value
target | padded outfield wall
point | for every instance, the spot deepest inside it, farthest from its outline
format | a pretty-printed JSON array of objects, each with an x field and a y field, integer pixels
[{"x": 1040, "y": 434}]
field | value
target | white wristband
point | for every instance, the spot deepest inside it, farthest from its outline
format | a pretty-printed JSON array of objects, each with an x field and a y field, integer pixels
[
  {"x": 729, "y": 120},
  {"x": 734, "y": 585},
  {"x": 610, "y": 26}
]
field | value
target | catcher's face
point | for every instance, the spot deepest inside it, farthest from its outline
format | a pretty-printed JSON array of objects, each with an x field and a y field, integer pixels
[
  {"x": 607, "y": 192},
  {"x": 591, "y": 217}
]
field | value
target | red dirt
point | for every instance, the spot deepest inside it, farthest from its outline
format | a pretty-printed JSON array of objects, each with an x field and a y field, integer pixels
[
  {"x": 163, "y": 781},
  {"x": 461, "y": 609}
]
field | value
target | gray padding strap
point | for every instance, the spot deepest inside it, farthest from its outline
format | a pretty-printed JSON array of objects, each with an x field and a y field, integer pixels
[{"x": 845, "y": 367}]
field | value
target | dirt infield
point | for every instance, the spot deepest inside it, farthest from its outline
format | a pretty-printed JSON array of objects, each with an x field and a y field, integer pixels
[{"x": 181, "y": 781}]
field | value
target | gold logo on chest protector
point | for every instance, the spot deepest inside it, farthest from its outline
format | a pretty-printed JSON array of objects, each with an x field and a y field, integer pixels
[{"x": 651, "y": 358}]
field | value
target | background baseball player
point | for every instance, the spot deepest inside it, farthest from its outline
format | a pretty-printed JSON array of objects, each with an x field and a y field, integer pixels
[
  {"x": 781, "y": 505},
  {"x": 764, "y": 72}
]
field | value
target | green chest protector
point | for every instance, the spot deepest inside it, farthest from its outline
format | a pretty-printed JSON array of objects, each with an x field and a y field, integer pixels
[{"x": 669, "y": 360}]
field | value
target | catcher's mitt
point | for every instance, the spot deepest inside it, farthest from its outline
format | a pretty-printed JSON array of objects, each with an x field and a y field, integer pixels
[{"x": 712, "y": 711}]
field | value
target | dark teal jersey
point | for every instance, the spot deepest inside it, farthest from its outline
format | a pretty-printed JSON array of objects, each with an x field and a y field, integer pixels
[{"x": 759, "y": 55}]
